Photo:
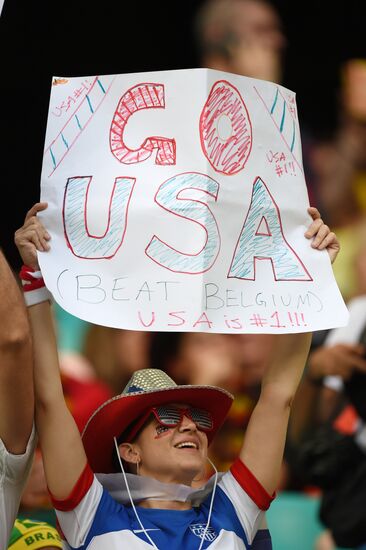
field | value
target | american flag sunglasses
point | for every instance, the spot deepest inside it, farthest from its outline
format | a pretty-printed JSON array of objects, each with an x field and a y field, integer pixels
[{"x": 170, "y": 416}]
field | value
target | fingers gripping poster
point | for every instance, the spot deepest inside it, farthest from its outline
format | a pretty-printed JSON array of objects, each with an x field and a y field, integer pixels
[{"x": 177, "y": 202}]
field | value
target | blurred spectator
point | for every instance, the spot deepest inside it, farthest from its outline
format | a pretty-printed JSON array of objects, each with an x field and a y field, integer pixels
[
  {"x": 116, "y": 353},
  {"x": 336, "y": 358},
  {"x": 333, "y": 456},
  {"x": 241, "y": 36},
  {"x": 83, "y": 390},
  {"x": 326, "y": 445},
  {"x": 196, "y": 358},
  {"x": 338, "y": 169}
]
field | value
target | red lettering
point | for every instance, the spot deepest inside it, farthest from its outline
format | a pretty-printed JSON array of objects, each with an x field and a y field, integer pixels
[
  {"x": 142, "y": 96},
  {"x": 225, "y": 129}
]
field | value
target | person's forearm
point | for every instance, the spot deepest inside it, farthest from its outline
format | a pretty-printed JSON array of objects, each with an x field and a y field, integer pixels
[
  {"x": 265, "y": 437},
  {"x": 47, "y": 380},
  {"x": 15, "y": 333},
  {"x": 264, "y": 440},
  {"x": 16, "y": 374},
  {"x": 287, "y": 364},
  {"x": 62, "y": 449}
]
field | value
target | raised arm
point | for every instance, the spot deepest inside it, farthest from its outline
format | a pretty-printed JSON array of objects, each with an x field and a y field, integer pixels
[
  {"x": 62, "y": 449},
  {"x": 265, "y": 437},
  {"x": 16, "y": 364}
]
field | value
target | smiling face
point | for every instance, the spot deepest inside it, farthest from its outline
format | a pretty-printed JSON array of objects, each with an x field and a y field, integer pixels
[{"x": 171, "y": 455}]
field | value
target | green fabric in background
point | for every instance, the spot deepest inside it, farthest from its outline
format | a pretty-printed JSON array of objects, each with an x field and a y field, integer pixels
[
  {"x": 70, "y": 330},
  {"x": 293, "y": 521}
]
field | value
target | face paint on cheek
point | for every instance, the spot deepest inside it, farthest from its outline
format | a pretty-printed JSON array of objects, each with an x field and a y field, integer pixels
[{"x": 161, "y": 431}]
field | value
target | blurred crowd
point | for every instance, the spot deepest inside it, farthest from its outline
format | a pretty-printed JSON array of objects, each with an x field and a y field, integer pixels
[{"x": 326, "y": 439}]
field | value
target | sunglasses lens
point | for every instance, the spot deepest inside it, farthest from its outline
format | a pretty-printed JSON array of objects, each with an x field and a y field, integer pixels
[
  {"x": 202, "y": 419},
  {"x": 172, "y": 416},
  {"x": 169, "y": 416}
]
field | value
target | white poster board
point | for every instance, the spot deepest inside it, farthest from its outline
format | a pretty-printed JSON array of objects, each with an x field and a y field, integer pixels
[{"x": 177, "y": 202}]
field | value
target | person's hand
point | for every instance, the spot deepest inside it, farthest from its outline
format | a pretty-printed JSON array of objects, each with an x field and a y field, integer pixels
[
  {"x": 322, "y": 237},
  {"x": 32, "y": 236},
  {"x": 338, "y": 360}
]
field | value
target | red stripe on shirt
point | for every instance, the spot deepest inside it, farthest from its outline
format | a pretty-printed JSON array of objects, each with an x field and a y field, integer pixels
[
  {"x": 79, "y": 491},
  {"x": 251, "y": 485}
]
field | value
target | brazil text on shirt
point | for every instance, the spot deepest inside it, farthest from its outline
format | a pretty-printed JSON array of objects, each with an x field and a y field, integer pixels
[
  {"x": 91, "y": 519},
  {"x": 27, "y": 533}
]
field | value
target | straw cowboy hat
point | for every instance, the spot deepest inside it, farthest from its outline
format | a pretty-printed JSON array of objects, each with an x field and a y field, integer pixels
[{"x": 146, "y": 388}]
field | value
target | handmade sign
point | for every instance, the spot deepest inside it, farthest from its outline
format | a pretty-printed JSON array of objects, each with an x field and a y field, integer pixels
[{"x": 177, "y": 202}]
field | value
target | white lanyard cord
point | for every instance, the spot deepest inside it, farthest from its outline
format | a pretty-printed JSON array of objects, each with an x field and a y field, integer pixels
[
  {"x": 211, "y": 505},
  {"x": 130, "y": 497}
]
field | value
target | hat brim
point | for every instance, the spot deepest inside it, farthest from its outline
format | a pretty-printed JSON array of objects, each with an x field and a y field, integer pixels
[{"x": 113, "y": 417}]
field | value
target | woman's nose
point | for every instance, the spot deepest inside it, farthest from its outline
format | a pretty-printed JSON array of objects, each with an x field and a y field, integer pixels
[{"x": 187, "y": 424}]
